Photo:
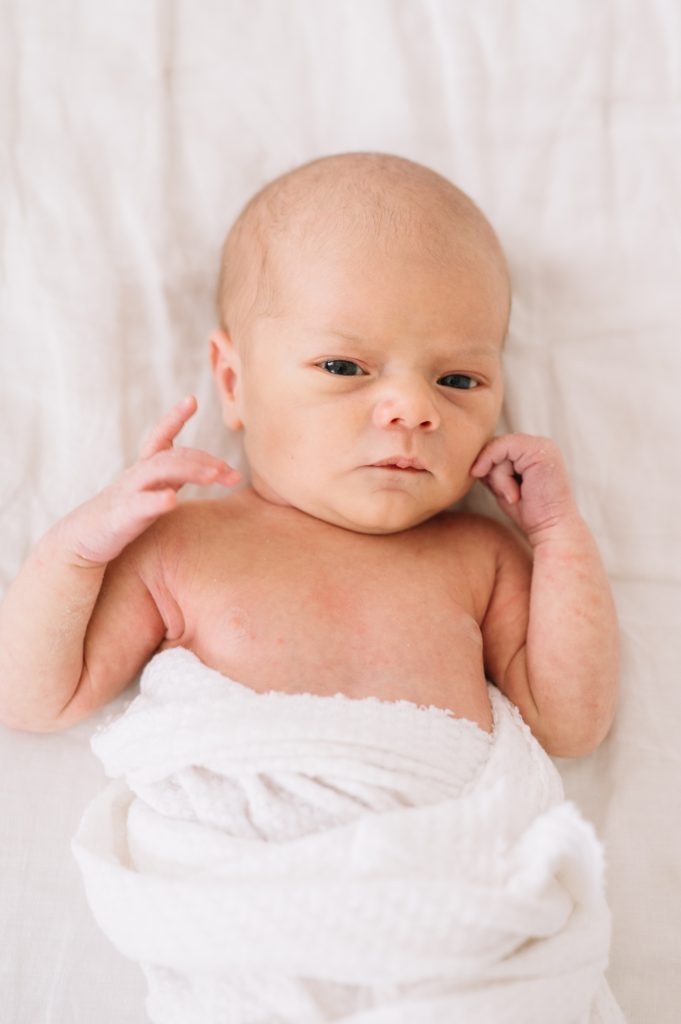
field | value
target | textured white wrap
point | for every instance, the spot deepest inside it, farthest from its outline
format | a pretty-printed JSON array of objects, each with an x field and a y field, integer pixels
[{"x": 269, "y": 857}]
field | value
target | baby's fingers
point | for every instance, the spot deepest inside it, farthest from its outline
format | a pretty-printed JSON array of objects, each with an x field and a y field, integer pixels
[
  {"x": 162, "y": 435},
  {"x": 504, "y": 482},
  {"x": 149, "y": 505},
  {"x": 179, "y": 466}
]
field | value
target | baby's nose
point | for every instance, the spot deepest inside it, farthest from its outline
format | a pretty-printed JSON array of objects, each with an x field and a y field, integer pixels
[{"x": 408, "y": 405}]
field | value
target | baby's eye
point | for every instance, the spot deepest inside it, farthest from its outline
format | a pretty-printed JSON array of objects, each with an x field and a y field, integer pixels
[
  {"x": 458, "y": 380},
  {"x": 342, "y": 367}
]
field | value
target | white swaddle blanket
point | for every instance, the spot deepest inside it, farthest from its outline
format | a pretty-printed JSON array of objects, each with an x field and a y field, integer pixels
[{"x": 273, "y": 857}]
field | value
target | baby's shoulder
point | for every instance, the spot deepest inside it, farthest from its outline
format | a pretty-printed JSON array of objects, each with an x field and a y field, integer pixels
[
  {"x": 475, "y": 532},
  {"x": 485, "y": 553},
  {"x": 192, "y": 530},
  {"x": 480, "y": 544},
  {"x": 219, "y": 514}
]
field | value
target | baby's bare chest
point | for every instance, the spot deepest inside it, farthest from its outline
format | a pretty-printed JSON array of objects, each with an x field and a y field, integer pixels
[{"x": 327, "y": 613}]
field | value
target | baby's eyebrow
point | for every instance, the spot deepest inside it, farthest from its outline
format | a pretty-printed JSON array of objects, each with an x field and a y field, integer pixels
[
  {"x": 460, "y": 351},
  {"x": 346, "y": 335}
]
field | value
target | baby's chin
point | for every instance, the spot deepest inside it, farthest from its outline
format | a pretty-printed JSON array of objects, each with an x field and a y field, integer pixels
[
  {"x": 361, "y": 509},
  {"x": 384, "y": 514}
]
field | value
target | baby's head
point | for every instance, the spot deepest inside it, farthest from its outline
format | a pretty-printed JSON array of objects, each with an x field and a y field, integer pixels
[{"x": 363, "y": 303}]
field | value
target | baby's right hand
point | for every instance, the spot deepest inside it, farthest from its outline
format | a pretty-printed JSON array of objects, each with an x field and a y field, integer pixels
[{"x": 97, "y": 531}]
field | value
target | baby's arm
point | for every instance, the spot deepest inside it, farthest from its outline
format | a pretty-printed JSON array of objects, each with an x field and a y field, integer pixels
[
  {"x": 79, "y": 621},
  {"x": 559, "y": 661}
]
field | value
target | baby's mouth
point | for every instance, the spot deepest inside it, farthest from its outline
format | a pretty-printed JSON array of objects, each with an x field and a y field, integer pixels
[{"x": 398, "y": 462}]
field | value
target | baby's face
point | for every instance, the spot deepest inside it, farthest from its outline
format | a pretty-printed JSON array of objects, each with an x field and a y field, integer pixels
[{"x": 376, "y": 359}]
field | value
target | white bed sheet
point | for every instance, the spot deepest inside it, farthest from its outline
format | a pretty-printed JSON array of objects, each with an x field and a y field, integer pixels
[{"x": 131, "y": 135}]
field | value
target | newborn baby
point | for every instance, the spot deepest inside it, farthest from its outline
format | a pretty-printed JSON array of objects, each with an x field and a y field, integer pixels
[
  {"x": 363, "y": 304},
  {"x": 330, "y": 800}
]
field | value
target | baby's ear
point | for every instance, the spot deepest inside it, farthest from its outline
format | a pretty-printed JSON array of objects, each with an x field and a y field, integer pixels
[{"x": 226, "y": 368}]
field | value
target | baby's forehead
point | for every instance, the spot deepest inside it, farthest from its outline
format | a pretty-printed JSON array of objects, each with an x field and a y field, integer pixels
[{"x": 355, "y": 202}]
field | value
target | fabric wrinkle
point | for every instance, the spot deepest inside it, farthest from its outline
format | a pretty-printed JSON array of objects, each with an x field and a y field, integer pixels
[{"x": 301, "y": 858}]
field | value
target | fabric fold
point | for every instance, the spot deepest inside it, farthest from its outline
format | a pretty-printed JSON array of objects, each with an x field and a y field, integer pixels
[{"x": 288, "y": 857}]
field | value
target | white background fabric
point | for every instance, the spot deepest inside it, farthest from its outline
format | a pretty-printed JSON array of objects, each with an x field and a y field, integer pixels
[{"x": 131, "y": 135}]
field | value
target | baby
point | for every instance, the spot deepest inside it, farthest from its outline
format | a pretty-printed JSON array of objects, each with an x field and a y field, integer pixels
[
  {"x": 321, "y": 807},
  {"x": 363, "y": 304}
]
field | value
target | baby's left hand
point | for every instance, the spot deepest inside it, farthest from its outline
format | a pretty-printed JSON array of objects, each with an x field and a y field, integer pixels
[{"x": 528, "y": 478}]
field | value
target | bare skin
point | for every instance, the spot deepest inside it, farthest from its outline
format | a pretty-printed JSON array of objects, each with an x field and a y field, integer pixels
[
  {"x": 331, "y": 573},
  {"x": 260, "y": 595},
  {"x": 277, "y": 599}
]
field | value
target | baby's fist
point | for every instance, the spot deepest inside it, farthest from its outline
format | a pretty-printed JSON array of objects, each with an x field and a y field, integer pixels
[{"x": 528, "y": 478}]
